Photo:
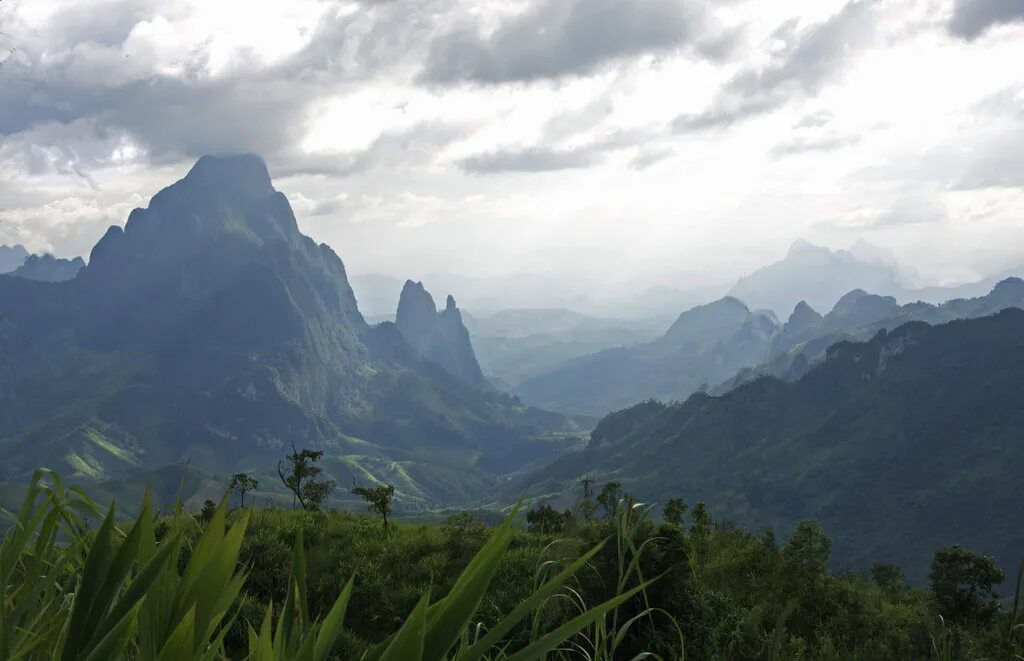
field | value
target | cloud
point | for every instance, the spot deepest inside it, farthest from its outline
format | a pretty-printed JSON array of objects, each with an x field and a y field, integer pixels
[
  {"x": 821, "y": 142},
  {"x": 533, "y": 159},
  {"x": 911, "y": 209},
  {"x": 808, "y": 59},
  {"x": 556, "y": 38},
  {"x": 971, "y": 18}
]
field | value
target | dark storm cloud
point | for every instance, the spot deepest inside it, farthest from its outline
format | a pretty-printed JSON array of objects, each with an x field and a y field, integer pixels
[
  {"x": 533, "y": 159},
  {"x": 564, "y": 37},
  {"x": 971, "y": 18},
  {"x": 101, "y": 91},
  {"x": 810, "y": 57}
]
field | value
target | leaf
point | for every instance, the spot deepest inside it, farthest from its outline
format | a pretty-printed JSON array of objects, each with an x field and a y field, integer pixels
[
  {"x": 407, "y": 644},
  {"x": 547, "y": 642},
  {"x": 529, "y": 605},
  {"x": 332, "y": 624}
]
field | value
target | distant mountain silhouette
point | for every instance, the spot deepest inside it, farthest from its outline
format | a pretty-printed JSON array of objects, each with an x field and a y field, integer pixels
[
  {"x": 804, "y": 339},
  {"x": 47, "y": 268},
  {"x": 908, "y": 442},
  {"x": 11, "y": 257},
  {"x": 210, "y": 329},
  {"x": 817, "y": 276},
  {"x": 440, "y": 337},
  {"x": 704, "y": 346}
]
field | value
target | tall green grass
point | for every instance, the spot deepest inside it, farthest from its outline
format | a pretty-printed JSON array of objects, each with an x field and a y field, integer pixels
[{"x": 142, "y": 591}]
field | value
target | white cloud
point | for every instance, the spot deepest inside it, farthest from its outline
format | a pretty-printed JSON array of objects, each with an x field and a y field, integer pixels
[{"x": 820, "y": 118}]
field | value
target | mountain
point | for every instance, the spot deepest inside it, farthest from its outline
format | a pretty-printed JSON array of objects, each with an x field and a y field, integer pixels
[
  {"x": 440, "y": 337},
  {"x": 704, "y": 346},
  {"x": 47, "y": 268},
  {"x": 911, "y": 441},
  {"x": 211, "y": 330},
  {"x": 858, "y": 315},
  {"x": 817, "y": 276},
  {"x": 11, "y": 257}
]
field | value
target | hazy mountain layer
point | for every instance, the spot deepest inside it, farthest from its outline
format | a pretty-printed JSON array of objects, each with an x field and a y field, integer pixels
[
  {"x": 47, "y": 268},
  {"x": 705, "y": 346},
  {"x": 806, "y": 336},
  {"x": 818, "y": 276},
  {"x": 11, "y": 257},
  {"x": 900, "y": 445}
]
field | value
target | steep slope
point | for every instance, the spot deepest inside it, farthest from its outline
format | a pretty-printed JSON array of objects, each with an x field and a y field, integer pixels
[
  {"x": 441, "y": 337},
  {"x": 47, "y": 268},
  {"x": 704, "y": 346},
  {"x": 818, "y": 276},
  {"x": 11, "y": 257},
  {"x": 900, "y": 445},
  {"x": 210, "y": 329}
]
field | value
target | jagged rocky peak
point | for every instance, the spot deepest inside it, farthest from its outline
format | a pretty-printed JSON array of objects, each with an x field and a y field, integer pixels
[
  {"x": 221, "y": 197},
  {"x": 416, "y": 308},
  {"x": 47, "y": 268},
  {"x": 441, "y": 337}
]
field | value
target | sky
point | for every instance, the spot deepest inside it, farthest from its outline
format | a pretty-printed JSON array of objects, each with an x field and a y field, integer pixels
[{"x": 647, "y": 141}]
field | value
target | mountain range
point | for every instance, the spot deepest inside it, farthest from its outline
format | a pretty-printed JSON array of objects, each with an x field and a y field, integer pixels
[
  {"x": 47, "y": 268},
  {"x": 705, "y": 345},
  {"x": 211, "y": 330},
  {"x": 908, "y": 442}
]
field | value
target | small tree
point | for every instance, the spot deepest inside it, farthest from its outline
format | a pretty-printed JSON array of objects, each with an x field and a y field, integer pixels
[
  {"x": 379, "y": 498},
  {"x": 241, "y": 484},
  {"x": 609, "y": 497},
  {"x": 674, "y": 511},
  {"x": 545, "y": 519},
  {"x": 962, "y": 582},
  {"x": 886, "y": 576},
  {"x": 206, "y": 514},
  {"x": 586, "y": 506},
  {"x": 302, "y": 478}
]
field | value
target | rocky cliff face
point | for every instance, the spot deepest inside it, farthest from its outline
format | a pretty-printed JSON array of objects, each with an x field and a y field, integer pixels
[{"x": 441, "y": 338}]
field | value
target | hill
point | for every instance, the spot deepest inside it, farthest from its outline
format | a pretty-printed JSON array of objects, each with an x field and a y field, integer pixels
[
  {"x": 210, "y": 329},
  {"x": 906, "y": 443}
]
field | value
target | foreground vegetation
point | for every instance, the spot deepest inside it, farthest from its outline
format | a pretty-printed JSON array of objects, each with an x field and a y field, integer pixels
[{"x": 608, "y": 584}]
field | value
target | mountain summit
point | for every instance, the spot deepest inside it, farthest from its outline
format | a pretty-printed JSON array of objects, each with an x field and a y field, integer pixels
[
  {"x": 210, "y": 329},
  {"x": 440, "y": 337},
  {"x": 818, "y": 276}
]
